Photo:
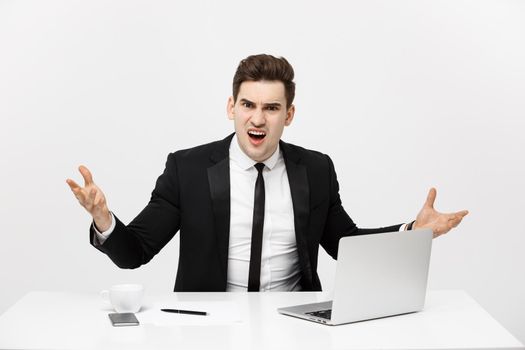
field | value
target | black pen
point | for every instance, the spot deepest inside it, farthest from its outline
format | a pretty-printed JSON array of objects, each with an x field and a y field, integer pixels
[{"x": 186, "y": 312}]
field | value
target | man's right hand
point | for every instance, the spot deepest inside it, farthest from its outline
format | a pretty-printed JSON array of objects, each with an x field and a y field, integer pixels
[{"x": 92, "y": 199}]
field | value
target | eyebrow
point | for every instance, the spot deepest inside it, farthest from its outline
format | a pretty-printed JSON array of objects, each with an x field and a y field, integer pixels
[
  {"x": 245, "y": 100},
  {"x": 270, "y": 104}
]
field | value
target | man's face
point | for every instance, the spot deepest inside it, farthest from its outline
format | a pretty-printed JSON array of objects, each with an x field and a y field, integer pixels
[{"x": 260, "y": 115}]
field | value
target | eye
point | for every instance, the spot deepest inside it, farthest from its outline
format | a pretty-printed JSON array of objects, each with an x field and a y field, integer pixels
[
  {"x": 272, "y": 108},
  {"x": 247, "y": 104}
]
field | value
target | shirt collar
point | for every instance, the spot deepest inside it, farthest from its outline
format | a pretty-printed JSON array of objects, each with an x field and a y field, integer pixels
[{"x": 245, "y": 162}]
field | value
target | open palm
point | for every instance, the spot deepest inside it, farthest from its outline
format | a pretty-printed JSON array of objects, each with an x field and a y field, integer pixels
[
  {"x": 440, "y": 223},
  {"x": 91, "y": 198}
]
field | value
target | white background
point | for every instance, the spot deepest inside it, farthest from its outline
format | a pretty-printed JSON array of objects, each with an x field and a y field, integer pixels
[{"x": 403, "y": 95}]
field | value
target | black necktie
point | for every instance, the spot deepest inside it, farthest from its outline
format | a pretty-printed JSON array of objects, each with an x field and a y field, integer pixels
[{"x": 257, "y": 232}]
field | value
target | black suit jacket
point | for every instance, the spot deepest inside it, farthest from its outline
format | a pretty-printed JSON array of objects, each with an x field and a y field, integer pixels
[{"x": 193, "y": 196}]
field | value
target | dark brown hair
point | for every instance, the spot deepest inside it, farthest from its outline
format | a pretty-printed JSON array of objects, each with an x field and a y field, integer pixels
[{"x": 265, "y": 67}]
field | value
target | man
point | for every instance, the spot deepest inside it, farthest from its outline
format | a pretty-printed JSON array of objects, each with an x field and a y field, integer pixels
[{"x": 252, "y": 209}]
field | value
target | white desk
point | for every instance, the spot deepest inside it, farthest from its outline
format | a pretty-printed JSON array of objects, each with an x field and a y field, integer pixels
[{"x": 52, "y": 320}]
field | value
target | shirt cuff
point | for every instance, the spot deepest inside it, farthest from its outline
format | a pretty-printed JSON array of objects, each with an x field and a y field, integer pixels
[
  {"x": 102, "y": 236},
  {"x": 403, "y": 227}
]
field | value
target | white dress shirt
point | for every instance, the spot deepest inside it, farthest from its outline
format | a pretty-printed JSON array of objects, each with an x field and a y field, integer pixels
[{"x": 280, "y": 270}]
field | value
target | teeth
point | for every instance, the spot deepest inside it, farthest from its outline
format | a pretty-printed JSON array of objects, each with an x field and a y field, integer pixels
[{"x": 258, "y": 133}]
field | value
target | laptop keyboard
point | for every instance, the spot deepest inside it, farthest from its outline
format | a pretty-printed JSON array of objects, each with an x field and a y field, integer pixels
[{"x": 322, "y": 313}]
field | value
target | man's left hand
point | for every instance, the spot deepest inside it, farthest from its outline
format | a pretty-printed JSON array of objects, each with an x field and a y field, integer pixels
[{"x": 440, "y": 223}]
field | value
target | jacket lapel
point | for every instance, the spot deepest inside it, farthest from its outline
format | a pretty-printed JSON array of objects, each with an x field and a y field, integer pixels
[
  {"x": 300, "y": 190},
  {"x": 219, "y": 182}
]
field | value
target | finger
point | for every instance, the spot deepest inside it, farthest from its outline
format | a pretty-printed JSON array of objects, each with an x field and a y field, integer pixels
[
  {"x": 462, "y": 213},
  {"x": 453, "y": 223},
  {"x": 431, "y": 197},
  {"x": 77, "y": 191},
  {"x": 80, "y": 195},
  {"x": 86, "y": 174},
  {"x": 457, "y": 217},
  {"x": 72, "y": 185}
]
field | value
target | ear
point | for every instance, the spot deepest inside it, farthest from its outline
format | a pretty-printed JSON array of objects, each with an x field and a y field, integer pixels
[
  {"x": 229, "y": 108},
  {"x": 289, "y": 115}
]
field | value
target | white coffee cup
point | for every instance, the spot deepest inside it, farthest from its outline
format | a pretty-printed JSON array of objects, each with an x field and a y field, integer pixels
[{"x": 124, "y": 297}]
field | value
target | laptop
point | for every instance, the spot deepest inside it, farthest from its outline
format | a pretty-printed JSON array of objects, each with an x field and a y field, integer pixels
[{"x": 377, "y": 275}]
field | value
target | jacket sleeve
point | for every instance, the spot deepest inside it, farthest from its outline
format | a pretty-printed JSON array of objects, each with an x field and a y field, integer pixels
[
  {"x": 338, "y": 222},
  {"x": 137, "y": 243}
]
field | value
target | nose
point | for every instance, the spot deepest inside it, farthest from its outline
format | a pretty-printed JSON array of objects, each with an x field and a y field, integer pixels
[{"x": 258, "y": 118}]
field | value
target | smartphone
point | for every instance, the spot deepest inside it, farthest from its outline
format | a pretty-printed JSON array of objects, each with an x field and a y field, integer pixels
[{"x": 123, "y": 319}]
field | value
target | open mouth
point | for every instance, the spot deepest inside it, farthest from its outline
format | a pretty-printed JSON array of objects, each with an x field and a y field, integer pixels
[{"x": 256, "y": 135}]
